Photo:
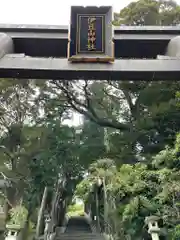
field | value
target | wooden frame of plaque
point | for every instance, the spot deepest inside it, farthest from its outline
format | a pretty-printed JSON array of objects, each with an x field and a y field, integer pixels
[{"x": 91, "y": 34}]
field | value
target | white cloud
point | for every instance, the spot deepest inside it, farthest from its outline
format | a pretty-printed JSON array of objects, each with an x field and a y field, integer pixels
[{"x": 54, "y": 12}]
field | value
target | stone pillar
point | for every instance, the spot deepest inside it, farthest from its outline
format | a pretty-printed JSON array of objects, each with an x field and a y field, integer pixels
[
  {"x": 47, "y": 229},
  {"x": 154, "y": 230},
  {"x": 6, "y": 44}
]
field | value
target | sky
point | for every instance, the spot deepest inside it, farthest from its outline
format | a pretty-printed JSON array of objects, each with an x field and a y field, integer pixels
[{"x": 55, "y": 12}]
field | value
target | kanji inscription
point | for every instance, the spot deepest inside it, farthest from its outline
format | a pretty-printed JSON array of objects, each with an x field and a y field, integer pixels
[{"x": 90, "y": 34}]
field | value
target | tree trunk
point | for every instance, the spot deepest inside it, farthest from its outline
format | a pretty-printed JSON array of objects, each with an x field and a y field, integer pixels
[
  {"x": 41, "y": 212},
  {"x": 97, "y": 213},
  {"x": 6, "y": 206},
  {"x": 105, "y": 207}
]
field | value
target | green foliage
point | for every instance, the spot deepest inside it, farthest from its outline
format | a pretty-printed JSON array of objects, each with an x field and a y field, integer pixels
[
  {"x": 83, "y": 189},
  {"x": 75, "y": 210},
  {"x": 136, "y": 115},
  {"x": 18, "y": 216},
  {"x": 149, "y": 12},
  {"x": 139, "y": 190},
  {"x": 176, "y": 233},
  {"x": 35, "y": 146}
]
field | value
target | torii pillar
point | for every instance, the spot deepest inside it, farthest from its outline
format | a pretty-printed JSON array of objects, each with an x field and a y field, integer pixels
[{"x": 6, "y": 45}]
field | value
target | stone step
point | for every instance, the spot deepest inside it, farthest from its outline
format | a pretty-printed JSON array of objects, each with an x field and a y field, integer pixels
[
  {"x": 79, "y": 238},
  {"x": 78, "y": 229},
  {"x": 78, "y": 224},
  {"x": 82, "y": 236},
  {"x": 78, "y": 235}
]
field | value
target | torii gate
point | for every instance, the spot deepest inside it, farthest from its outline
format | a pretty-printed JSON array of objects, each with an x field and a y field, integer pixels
[{"x": 92, "y": 49}]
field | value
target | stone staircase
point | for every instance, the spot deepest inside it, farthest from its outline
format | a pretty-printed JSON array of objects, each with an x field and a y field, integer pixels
[
  {"x": 79, "y": 236},
  {"x": 79, "y": 228}
]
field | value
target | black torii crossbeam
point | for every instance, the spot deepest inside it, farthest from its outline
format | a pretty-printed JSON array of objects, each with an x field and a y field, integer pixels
[
  {"x": 55, "y": 68},
  {"x": 131, "y": 53}
]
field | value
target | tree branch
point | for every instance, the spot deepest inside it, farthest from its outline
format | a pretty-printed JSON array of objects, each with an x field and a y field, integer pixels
[
  {"x": 4, "y": 196},
  {"x": 87, "y": 110}
]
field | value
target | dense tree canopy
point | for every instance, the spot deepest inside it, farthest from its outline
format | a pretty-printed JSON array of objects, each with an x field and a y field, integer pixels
[
  {"x": 135, "y": 114},
  {"x": 140, "y": 190},
  {"x": 149, "y": 12}
]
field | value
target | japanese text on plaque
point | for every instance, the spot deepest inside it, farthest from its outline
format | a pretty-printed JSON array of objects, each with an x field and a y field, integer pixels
[{"x": 91, "y": 34}]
